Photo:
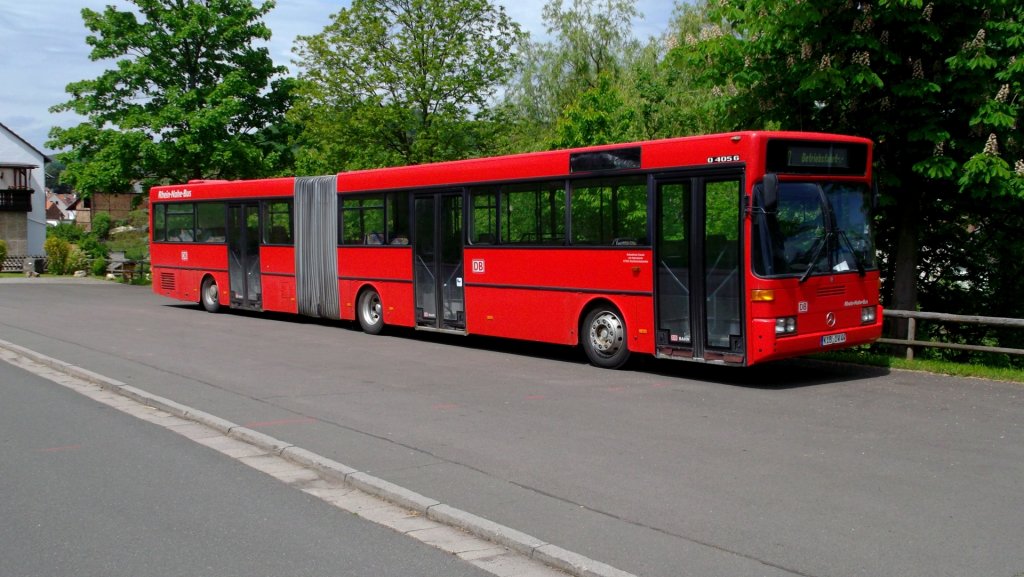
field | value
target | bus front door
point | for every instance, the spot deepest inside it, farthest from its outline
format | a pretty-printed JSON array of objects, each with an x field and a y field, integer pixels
[
  {"x": 698, "y": 268},
  {"x": 244, "y": 255},
  {"x": 438, "y": 262}
]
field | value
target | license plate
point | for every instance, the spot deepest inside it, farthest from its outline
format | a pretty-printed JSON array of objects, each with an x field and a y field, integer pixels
[{"x": 828, "y": 340}]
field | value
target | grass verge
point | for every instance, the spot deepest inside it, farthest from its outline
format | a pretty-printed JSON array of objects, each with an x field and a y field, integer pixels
[{"x": 931, "y": 366}]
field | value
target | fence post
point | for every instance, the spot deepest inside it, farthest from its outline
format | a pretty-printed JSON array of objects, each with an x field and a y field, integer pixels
[{"x": 911, "y": 336}]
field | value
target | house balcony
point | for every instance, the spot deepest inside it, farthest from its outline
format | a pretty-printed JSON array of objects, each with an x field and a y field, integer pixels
[{"x": 16, "y": 200}]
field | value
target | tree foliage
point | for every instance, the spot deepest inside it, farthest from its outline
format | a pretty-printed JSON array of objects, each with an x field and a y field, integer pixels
[
  {"x": 671, "y": 97},
  {"x": 188, "y": 96},
  {"x": 937, "y": 86},
  {"x": 573, "y": 89},
  {"x": 401, "y": 81},
  {"x": 599, "y": 115}
]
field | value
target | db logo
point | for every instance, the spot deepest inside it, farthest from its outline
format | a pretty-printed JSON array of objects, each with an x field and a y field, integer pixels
[
  {"x": 184, "y": 256},
  {"x": 478, "y": 266}
]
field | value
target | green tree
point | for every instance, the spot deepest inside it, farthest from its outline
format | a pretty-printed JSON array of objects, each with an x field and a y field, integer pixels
[
  {"x": 669, "y": 96},
  {"x": 70, "y": 232},
  {"x": 188, "y": 96},
  {"x": 401, "y": 81},
  {"x": 937, "y": 86},
  {"x": 598, "y": 116},
  {"x": 569, "y": 84},
  {"x": 53, "y": 181},
  {"x": 593, "y": 39}
]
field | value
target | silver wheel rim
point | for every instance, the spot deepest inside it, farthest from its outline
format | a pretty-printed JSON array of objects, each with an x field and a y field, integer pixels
[
  {"x": 211, "y": 293},
  {"x": 372, "y": 309},
  {"x": 606, "y": 334}
]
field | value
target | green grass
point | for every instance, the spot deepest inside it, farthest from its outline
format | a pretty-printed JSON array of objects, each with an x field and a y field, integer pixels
[{"x": 873, "y": 359}]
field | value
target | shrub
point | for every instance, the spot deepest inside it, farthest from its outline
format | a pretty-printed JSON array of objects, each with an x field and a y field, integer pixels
[
  {"x": 138, "y": 219},
  {"x": 135, "y": 245},
  {"x": 99, "y": 266},
  {"x": 67, "y": 231},
  {"x": 3, "y": 250},
  {"x": 92, "y": 247},
  {"x": 101, "y": 223},
  {"x": 57, "y": 252},
  {"x": 77, "y": 260}
]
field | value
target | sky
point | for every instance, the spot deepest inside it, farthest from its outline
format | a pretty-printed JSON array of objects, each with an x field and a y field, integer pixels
[{"x": 43, "y": 49}]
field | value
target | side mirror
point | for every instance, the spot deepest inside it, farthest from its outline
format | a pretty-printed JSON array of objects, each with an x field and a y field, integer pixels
[{"x": 770, "y": 192}]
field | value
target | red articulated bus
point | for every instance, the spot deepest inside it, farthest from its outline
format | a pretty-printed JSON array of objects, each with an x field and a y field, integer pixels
[{"x": 734, "y": 248}]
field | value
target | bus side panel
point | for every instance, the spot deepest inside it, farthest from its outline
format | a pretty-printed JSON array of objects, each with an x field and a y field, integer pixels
[
  {"x": 530, "y": 315},
  {"x": 277, "y": 265},
  {"x": 540, "y": 294},
  {"x": 641, "y": 325},
  {"x": 388, "y": 270},
  {"x": 179, "y": 268}
]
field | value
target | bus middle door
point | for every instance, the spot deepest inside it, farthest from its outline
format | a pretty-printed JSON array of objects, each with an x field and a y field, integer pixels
[{"x": 438, "y": 261}]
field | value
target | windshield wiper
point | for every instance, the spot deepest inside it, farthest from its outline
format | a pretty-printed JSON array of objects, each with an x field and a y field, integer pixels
[
  {"x": 853, "y": 253},
  {"x": 817, "y": 255}
]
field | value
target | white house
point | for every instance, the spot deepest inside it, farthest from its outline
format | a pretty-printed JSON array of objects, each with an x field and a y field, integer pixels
[{"x": 22, "y": 195}]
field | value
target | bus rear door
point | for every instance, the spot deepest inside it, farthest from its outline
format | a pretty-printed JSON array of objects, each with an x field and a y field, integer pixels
[{"x": 244, "y": 255}]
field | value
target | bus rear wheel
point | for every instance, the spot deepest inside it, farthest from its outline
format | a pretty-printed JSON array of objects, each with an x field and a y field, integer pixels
[
  {"x": 604, "y": 338},
  {"x": 209, "y": 295},
  {"x": 370, "y": 312}
]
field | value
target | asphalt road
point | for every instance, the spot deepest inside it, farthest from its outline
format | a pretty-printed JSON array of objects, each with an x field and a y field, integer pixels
[
  {"x": 90, "y": 491},
  {"x": 664, "y": 470}
]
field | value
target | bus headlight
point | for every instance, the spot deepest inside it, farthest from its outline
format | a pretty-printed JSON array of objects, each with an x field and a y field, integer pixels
[
  {"x": 785, "y": 325},
  {"x": 868, "y": 315}
]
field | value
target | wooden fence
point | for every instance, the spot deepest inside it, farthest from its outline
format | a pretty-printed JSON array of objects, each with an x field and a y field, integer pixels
[{"x": 913, "y": 316}]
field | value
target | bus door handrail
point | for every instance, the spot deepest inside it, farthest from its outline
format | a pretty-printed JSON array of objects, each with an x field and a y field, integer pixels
[
  {"x": 429, "y": 269},
  {"x": 686, "y": 289}
]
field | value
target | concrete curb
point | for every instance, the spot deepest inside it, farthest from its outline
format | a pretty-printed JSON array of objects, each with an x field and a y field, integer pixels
[{"x": 537, "y": 549}]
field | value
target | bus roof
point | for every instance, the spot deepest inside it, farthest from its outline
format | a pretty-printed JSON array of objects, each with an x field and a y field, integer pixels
[{"x": 669, "y": 153}]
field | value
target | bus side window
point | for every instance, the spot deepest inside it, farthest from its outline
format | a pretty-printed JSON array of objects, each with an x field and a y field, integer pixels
[
  {"x": 609, "y": 211},
  {"x": 181, "y": 222},
  {"x": 362, "y": 220},
  {"x": 159, "y": 222},
  {"x": 533, "y": 213},
  {"x": 484, "y": 215},
  {"x": 278, "y": 222},
  {"x": 210, "y": 222},
  {"x": 397, "y": 208}
]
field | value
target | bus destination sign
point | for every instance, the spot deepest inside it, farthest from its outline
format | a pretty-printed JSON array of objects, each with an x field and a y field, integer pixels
[
  {"x": 786, "y": 156},
  {"x": 818, "y": 156}
]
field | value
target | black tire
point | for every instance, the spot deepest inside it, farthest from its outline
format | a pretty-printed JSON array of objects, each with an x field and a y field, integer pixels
[
  {"x": 603, "y": 338},
  {"x": 370, "y": 312},
  {"x": 209, "y": 295}
]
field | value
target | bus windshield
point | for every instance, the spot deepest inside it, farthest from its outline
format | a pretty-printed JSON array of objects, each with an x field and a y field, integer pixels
[{"x": 816, "y": 228}]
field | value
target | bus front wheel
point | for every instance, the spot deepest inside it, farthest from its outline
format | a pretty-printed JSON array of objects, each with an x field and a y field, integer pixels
[
  {"x": 210, "y": 295},
  {"x": 371, "y": 312},
  {"x": 604, "y": 338}
]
